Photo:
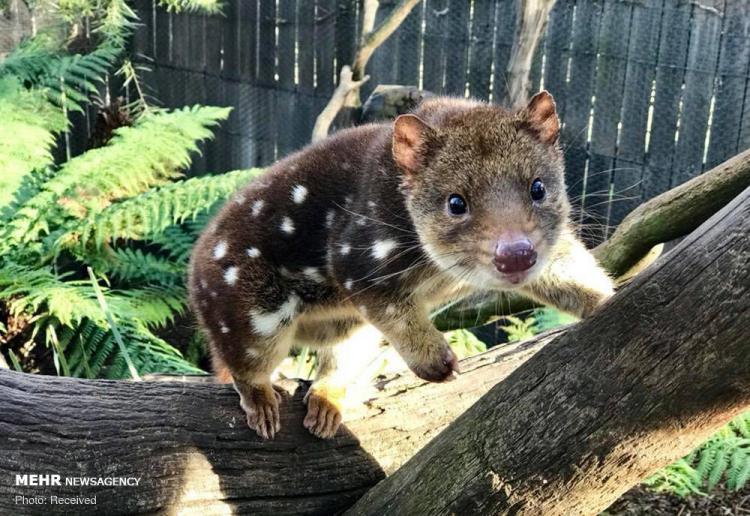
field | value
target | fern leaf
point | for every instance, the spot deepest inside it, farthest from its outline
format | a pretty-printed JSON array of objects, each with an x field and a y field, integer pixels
[{"x": 149, "y": 214}]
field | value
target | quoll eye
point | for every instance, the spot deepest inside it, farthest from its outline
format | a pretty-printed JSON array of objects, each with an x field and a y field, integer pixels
[
  {"x": 538, "y": 192},
  {"x": 457, "y": 205}
]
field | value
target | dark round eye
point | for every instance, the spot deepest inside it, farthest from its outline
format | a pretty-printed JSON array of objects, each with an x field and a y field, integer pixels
[
  {"x": 457, "y": 205},
  {"x": 537, "y": 190}
]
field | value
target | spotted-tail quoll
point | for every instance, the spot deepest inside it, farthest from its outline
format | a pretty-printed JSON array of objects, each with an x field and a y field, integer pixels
[{"x": 378, "y": 225}]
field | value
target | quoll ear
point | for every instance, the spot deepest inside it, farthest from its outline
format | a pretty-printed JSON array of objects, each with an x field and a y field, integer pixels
[
  {"x": 411, "y": 142},
  {"x": 541, "y": 117}
]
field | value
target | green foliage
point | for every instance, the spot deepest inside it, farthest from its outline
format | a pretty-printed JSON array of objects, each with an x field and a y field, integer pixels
[
  {"x": 540, "y": 320},
  {"x": 465, "y": 344},
  {"x": 724, "y": 457},
  {"x": 122, "y": 210}
]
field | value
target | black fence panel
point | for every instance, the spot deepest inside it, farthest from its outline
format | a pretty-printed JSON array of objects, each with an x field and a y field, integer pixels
[{"x": 650, "y": 93}]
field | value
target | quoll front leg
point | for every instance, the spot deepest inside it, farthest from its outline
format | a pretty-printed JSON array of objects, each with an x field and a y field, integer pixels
[
  {"x": 572, "y": 280},
  {"x": 407, "y": 327},
  {"x": 251, "y": 376}
]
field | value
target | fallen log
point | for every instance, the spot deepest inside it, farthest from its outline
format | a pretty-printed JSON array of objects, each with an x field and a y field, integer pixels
[{"x": 624, "y": 374}]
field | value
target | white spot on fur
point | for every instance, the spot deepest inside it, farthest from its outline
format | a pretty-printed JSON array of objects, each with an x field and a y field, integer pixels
[
  {"x": 223, "y": 327},
  {"x": 204, "y": 284},
  {"x": 287, "y": 225},
  {"x": 252, "y": 353},
  {"x": 329, "y": 218},
  {"x": 220, "y": 251},
  {"x": 214, "y": 294},
  {"x": 240, "y": 199},
  {"x": 362, "y": 309},
  {"x": 390, "y": 309},
  {"x": 381, "y": 248},
  {"x": 371, "y": 204},
  {"x": 345, "y": 165},
  {"x": 361, "y": 221},
  {"x": 348, "y": 284},
  {"x": 253, "y": 252},
  {"x": 268, "y": 323},
  {"x": 313, "y": 274},
  {"x": 257, "y": 206},
  {"x": 345, "y": 249},
  {"x": 347, "y": 200},
  {"x": 231, "y": 275},
  {"x": 299, "y": 193}
]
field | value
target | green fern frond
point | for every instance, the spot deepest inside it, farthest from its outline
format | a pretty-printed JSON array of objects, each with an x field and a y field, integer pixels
[
  {"x": 150, "y": 214},
  {"x": 726, "y": 456},
  {"x": 136, "y": 159},
  {"x": 153, "y": 306},
  {"x": 29, "y": 290},
  {"x": 67, "y": 80},
  {"x": 27, "y": 134},
  {"x": 133, "y": 265}
]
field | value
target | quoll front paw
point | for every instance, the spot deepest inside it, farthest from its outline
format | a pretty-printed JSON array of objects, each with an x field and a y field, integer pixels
[
  {"x": 438, "y": 366},
  {"x": 323, "y": 415},
  {"x": 261, "y": 406}
]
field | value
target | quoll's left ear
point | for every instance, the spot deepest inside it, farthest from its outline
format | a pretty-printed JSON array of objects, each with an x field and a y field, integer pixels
[
  {"x": 541, "y": 117},
  {"x": 412, "y": 139}
]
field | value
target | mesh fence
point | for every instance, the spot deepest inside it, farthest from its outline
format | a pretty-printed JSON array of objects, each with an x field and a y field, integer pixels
[{"x": 650, "y": 93}]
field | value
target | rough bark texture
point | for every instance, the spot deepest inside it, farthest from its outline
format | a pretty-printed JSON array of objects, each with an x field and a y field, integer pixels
[
  {"x": 388, "y": 101},
  {"x": 189, "y": 444},
  {"x": 673, "y": 214},
  {"x": 666, "y": 217},
  {"x": 639, "y": 384}
]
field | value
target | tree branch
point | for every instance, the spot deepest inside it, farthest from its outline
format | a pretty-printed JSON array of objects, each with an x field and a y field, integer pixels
[
  {"x": 345, "y": 87},
  {"x": 347, "y": 92}
]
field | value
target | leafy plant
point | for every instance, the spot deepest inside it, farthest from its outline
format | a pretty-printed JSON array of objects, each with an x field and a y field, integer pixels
[
  {"x": 122, "y": 212},
  {"x": 539, "y": 320},
  {"x": 465, "y": 344},
  {"x": 724, "y": 457}
]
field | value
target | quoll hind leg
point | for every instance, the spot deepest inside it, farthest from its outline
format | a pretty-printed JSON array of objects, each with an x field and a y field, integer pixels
[
  {"x": 339, "y": 367},
  {"x": 259, "y": 398},
  {"x": 325, "y": 398}
]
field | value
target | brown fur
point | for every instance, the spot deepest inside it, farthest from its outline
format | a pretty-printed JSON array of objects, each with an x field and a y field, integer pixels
[{"x": 354, "y": 230}]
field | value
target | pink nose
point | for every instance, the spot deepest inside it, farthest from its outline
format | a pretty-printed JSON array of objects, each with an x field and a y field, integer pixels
[{"x": 514, "y": 256}]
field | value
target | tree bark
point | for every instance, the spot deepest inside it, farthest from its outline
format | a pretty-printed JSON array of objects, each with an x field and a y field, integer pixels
[
  {"x": 668, "y": 216},
  {"x": 650, "y": 376}
]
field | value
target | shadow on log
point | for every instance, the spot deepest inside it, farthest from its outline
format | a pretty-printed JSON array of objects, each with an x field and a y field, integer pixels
[{"x": 636, "y": 386}]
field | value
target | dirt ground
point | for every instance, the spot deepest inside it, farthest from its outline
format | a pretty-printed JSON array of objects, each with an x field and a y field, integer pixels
[{"x": 641, "y": 502}]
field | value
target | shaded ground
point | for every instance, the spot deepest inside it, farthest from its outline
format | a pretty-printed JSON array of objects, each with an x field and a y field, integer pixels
[{"x": 640, "y": 502}]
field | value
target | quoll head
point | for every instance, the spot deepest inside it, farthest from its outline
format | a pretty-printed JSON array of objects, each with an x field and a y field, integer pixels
[{"x": 485, "y": 188}]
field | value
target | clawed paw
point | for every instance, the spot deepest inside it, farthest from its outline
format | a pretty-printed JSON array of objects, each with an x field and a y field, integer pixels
[
  {"x": 323, "y": 415},
  {"x": 261, "y": 406},
  {"x": 440, "y": 368}
]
